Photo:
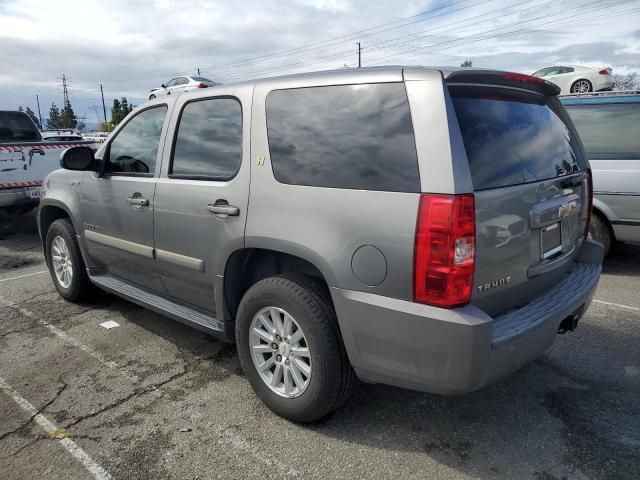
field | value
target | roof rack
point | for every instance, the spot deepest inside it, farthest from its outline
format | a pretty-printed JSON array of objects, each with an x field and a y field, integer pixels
[{"x": 602, "y": 94}]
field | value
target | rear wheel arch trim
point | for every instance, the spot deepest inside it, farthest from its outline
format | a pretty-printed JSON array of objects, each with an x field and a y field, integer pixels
[{"x": 231, "y": 294}]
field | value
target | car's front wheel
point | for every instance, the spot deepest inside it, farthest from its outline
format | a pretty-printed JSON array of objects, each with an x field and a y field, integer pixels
[
  {"x": 151, "y": 97},
  {"x": 290, "y": 348},
  {"x": 581, "y": 86},
  {"x": 65, "y": 262}
]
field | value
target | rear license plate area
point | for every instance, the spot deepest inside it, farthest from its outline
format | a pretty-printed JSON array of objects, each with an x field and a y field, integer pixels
[{"x": 550, "y": 240}]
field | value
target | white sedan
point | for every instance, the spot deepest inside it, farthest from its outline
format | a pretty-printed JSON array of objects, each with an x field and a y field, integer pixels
[
  {"x": 178, "y": 85},
  {"x": 576, "y": 79}
]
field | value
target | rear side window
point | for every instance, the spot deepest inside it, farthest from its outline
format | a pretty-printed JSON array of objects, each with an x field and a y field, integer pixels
[
  {"x": 17, "y": 127},
  {"x": 608, "y": 130},
  {"x": 208, "y": 143},
  {"x": 513, "y": 138},
  {"x": 346, "y": 136}
]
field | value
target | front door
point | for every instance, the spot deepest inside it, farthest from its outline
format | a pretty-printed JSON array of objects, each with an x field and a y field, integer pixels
[
  {"x": 117, "y": 206},
  {"x": 202, "y": 194}
]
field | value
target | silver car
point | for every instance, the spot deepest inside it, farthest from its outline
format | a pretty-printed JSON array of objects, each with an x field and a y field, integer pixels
[
  {"x": 609, "y": 125},
  {"x": 418, "y": 227},
  {"x": 179, "y": 85}
]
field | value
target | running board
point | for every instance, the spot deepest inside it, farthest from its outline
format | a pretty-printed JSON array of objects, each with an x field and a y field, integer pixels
[{"x": 183, "y": 314}]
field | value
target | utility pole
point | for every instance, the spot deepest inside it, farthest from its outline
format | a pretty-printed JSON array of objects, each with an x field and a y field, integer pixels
[
  {"x": 359, "y": 56},
  {"x": 65, "y": 90},
  {"x": 198, "y": 71},
  {"x": 39, "y": 114},
  {"x": 104, "y": 108}
]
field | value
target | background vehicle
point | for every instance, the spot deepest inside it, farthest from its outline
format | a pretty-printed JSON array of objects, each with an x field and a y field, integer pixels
[
  {"x": 576, "y": 79},
  {"x": 25, "y": 159},
  {"x": 96, "y": 137},
  {"x": 60, "y": 135},
  {"x": 405, "y": 225},
  {"x": 609, "y": 126},
  {"x": 179, "y": 85}
]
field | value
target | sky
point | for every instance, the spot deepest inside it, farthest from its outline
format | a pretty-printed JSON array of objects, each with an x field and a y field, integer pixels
[{"x": 131, "y": 46}]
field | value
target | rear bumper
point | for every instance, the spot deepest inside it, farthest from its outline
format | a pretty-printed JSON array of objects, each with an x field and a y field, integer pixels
[
  {"x": 431, "y": 349},
  {"x": 603, "y": 82},
  {"x": 17, "y": 197}
]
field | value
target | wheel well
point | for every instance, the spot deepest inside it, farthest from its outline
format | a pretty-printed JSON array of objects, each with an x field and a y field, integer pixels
[
  {"x": 250, "y": 265},
  {"x": 48, "y": 215},
  {"x": 605, "y": 220},
  {"x": 580, "y": 80}
]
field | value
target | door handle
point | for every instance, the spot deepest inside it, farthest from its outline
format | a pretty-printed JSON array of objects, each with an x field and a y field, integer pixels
[
  {"x": 138, "y": 201},
  {"x": 224, "y": 209}
]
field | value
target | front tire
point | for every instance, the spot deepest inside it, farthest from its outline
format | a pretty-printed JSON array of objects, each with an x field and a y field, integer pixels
[
  {"x": 581, "y": 86},
  {"x": 152, "y": 97},
  {"x": 65, "y": 262},
  {"x": 290, "y": 348}
]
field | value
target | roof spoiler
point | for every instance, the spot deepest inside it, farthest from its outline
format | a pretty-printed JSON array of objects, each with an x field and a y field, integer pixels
[{"x": 506, "y": 79}]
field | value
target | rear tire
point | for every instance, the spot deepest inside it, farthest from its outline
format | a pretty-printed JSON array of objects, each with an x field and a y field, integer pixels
[
  {"x": 152, "y": 97},
  {"x": 65, "y": 262},
  {"x": 330, "y": 377},
  {"x": 601, "y": 232},
  {"x": 581, "y": 86}
]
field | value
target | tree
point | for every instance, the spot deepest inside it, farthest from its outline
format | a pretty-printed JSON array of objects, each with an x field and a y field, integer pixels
[
  {"x": 54, "y": 121},
  {"x": 33, "y": 117},
  {"x": 120, "y": 110},
  {"x": 68, "y": 116},
  {"x": 105, "y": 127},
  {"x": 467, "y": 63},
  {"x": 81, "y": 126}
]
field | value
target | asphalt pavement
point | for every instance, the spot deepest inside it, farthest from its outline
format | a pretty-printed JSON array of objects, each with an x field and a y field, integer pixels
[{"x": 153, "y": 399}]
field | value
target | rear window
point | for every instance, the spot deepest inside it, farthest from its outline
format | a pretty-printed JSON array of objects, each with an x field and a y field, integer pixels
[
  {"x": 346, "y": 136},
  {"x": 17, "y": 127},
  {"x": 608, "y": 130},
  {"x": 513, "y": 138}
]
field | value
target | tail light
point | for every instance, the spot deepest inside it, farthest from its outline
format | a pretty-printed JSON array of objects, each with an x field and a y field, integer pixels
[
  {"x": 521, "y": 77},
  {"x": 605, "y": 71},
  {"x": 202, "y": 85},
  {"x": 444, "y": 252},
  {"x": 589, "y": 194}
]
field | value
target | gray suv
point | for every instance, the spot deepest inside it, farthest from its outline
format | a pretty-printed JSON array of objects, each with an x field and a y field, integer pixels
[{"x": 418, "y": 227}]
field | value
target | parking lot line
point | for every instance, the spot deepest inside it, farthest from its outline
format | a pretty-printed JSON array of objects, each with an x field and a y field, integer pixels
[
  {"x": 73, "y": 341},
  {"x": 23, "y": 276},
  {"x": 69, "y": 445},
  {"x": 619, "y": 305}
]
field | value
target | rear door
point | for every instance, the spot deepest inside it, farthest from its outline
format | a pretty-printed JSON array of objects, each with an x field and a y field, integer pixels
[
  {"x": 202, "y": 195},
  {"x": 530, "y": 180}
]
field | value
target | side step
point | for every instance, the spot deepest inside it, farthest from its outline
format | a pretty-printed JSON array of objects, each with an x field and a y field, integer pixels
[{"x": 181, "y": 313}]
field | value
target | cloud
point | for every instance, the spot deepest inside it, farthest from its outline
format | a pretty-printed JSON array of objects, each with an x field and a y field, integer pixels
[{"x": 130, "y": 46}]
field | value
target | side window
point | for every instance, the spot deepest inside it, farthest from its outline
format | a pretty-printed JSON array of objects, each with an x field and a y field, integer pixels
[
  {"x": 134, "y": 149},
  {"x": 171, "y": 83},
  {"x": 608, "y": 131},
  {"x": 347, "y": 136},
  {"x": 182, "y": 81},
  {"x": 208, "y": 142},
  {"x": 567, "y": 70}
]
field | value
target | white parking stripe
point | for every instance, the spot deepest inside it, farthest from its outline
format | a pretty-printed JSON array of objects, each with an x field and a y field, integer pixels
[
  {"x": 72, "y": 447},
  {"x": 23, "y": 276},
  {"x": 619, "y": 305},
  {"x": 76, "y": 343}
]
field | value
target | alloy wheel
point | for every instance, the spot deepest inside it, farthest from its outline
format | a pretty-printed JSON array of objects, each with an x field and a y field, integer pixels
[
  {"x": 280, "y": 352},
  {"x": 61, "y": 261}
]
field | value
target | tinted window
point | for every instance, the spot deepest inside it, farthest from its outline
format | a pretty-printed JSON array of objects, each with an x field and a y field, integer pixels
[
  {"x": 513, "y": 138},
  {"x": 182, "y": 81},
  {"x": 134, "y": 148},
  {"x": 608, "y": 130},
  {"x": 209, "y": 140},
  {"x": 350, "y": 136},
  {"x": 17, "y": 126},
  {"x": 566, "y": 69},
  {"x": 171, "y": 82}
]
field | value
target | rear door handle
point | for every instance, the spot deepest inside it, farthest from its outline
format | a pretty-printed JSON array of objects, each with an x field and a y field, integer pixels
[
  {"x": 222, "y": 209},
  {"x": 138, "y": 201}
]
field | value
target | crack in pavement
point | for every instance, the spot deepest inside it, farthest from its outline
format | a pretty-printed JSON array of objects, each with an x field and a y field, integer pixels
[
  {"x": 27, "y": 300},
  {"x": 137, "y": 392},
  {"x": 2, "y": 335},
  {"x": 26, "y": 423}
]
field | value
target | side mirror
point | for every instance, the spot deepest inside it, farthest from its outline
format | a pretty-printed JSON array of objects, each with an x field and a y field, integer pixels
[
  {"x": 163, "y": 86},
  {"x": 78, "y": 158}
]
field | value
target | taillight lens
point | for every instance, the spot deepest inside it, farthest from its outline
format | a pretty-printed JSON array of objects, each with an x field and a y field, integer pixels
[
  {"x": 589, "y": 194},
  {"x": 605, "y": 71},
  {"x": 202, "y": 85},
  {"x": 444, "y": 255}
]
